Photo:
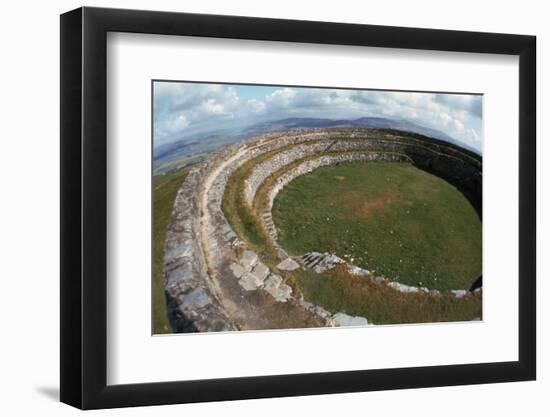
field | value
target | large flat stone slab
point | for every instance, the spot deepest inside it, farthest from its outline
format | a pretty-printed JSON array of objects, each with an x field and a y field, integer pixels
[
  {"x": 274, "y": 280},
  {"x": 237, "y": 270},
  {"x": 459, "y": 293},
  {"x": 402, "y": 287},
  {"x": 249, "y": 260},
  {"x": 355, "y": 270},
  {"x": 277, "y": 289},
  {"x": 281, "y": 294},
  {"x": 281, "y": 254},
  {"x": 195, "y": 300},
  {"x": 260, "y": 272},
  {"x": 345, "y": 320},
  {"x": 248, "y": 282},
  {"x": 288, "y": 264}
]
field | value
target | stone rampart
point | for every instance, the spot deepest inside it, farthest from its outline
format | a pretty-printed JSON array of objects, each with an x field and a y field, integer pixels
[{"x": 204, "y": 277}]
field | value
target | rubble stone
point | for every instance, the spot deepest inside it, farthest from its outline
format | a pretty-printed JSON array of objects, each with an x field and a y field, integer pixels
[
  {"x": 344, "y": 320},
  {"x": 237, "y": 270},
  {"x": 249, "y": 260},
  {"x": 288, "y": 264},
  {"x": 260, "y": 272}
]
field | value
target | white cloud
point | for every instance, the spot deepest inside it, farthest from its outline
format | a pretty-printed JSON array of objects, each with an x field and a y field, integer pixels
[
  {"x": 185, "y": 108},
  {"x": 256, "y": 106},
  {"x": 281, "y": 98}
]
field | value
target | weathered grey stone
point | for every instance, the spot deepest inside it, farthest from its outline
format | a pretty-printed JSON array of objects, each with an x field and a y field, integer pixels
[
  {"x": 344, "y": 320},
  {"x": 306, "y": 304},
  {"x": 278, "y": 294},
  {"x": 237, "y": 270},
  {"x": 273, "y": 280},
  {"x": 230, "y": 236},
  {"x": 286, "y": 291},
  {"x": 175, "y": 288},
  {"x": 318, "y": 310},
  {"x": 236, "y": 243},
  {"x": 281, "y": 254},
  {"x": 328, "y": 262},
  {"x": 195, "y": 299},
  {"x": 183, "y": 272},
  {"x": 322, "y": 312},
  {"x": 379, "y": 280},
  {"x": 402, "y": 287},
  {"x": 459, "y": 293},
  {"x": 288, "y": 264},
  {"x": 279, "y": 291},
  {"x": 355, "y": 270},
  {"x": 260, "y": 272},
  {"x": 249, "y": 282},
  {"x": 249, "y": 260}
]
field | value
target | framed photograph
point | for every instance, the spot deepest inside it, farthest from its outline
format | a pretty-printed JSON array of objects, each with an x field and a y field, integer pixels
[{"x": 256, "y": 207}]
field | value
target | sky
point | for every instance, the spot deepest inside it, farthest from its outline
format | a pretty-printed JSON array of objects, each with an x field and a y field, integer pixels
[{"x": 182, "y": 109}]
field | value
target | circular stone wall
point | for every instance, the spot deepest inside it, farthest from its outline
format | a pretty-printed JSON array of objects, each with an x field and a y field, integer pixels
[{"x": 224, "y": 268}]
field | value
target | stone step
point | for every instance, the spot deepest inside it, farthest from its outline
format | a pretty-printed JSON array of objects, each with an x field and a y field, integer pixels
[
  {"x": 288, "y": 264},
  {"x": 330, "y": 145},
  {"x": 310, "y": 256},
  {"x": 320, "y": 262},
  {"x": 274, "y": 280},
  {"x": 270, "y": 227},
  {"x": 280, "y": 291},
  {"x": 307, "y": 256},
  {"x": 315, "y": 262}
]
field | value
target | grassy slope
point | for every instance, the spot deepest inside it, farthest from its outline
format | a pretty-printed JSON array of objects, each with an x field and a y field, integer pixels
[
  {"x": 337, "y": 290},
  {"x": 237, "y": 212},
  {"x": 165, "y": 189},
  {"x": 394, "y": 218}
]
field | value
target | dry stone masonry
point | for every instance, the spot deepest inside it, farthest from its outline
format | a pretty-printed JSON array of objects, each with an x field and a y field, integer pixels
[{"x": 214, "y": 282}]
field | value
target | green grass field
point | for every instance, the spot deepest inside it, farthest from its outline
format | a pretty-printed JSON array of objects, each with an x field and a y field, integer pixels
[
  {"x": 391, "y": 218},
  {"x": 165, "y": 188}
]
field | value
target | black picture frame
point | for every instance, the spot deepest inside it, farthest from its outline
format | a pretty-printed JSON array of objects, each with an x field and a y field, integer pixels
[{"x": 84, "y": 207}]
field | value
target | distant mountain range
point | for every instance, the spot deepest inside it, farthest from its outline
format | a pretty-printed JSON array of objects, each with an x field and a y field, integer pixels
[
  {"x": 206, "y": 142},
  {"x": 372, "y": 122}
]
